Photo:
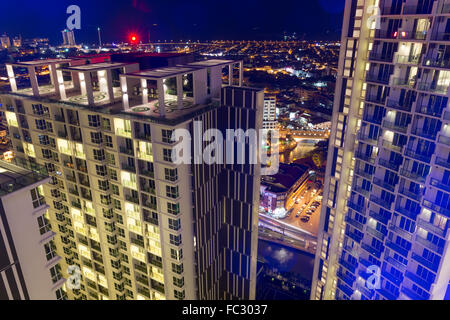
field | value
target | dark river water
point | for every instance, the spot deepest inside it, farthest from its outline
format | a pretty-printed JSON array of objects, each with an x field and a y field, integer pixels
[{"x": 286, "y": 259}]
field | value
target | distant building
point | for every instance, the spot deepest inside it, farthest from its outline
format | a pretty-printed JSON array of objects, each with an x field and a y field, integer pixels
[
  {"x": 276, "y": 190},
  {"x": 5, "y": 42},
  {"x": 270, "y": 113},
  {"x": 17, "y": 42},
  {"x": 29, "y": 265},
  {"x": 68, "y": 38}
]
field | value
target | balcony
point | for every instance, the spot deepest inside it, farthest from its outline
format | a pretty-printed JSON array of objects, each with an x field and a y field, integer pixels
[
  {"x": 412, "y": 175},
  {"x": 387, "y": 294},
  {"x": 385, "y": 204},
  {"x": 397, "y": 248},
  {"x": 348, "y": 279},
  {"x": 416, "y": 196},
  {"x": 373, "y": 251},
  {"x": 381, "y": 218},
  {"x": 437, "y": 208},
  {"x": 354, "y": 236},
  {"x": 410, "y": 213},
  {"x": 354, "y": 223},
  {"x": 413, "y": 295},
  {"x": 397, "y": 230},
  {"x": 362, "y": 173},
  {"x": 395, "y": 263},
  {"x": 380, "y": 57},
  {"x": 376, "y": 233},
  {"x": 416, "y": 10},
  {"x": 392, "y": 277},
  {"x": 356, "y": 207},
  {"x": 393, "y": 104},
  {"x": 430, "y": 245},
  {"x": 445, "y": 140},
  {"x": 383, "y": 79},
  {"x": 360, "y": 190},
  {"x": 388, "y": 164},
  {"x": 402, "y": 128},
  {"x": 424, "y": 133},
  {"x": 430, "y": 87},
  {"x": 391, "y": 146},
  {"x": 364, "y": 157},
  {"x": 379, "y": 182},
  {"x": 126, "y": 151},
  {"x": 401, "y": 59},
  {"x": 437, "y": 62},
  {"x": 366, "y": 138},
  {"x": 431, "y": 227},
  {"x": 345, "y": 289},
  {"x": 418, "y": 156},
  {"x": 129, "y": 168},
  {"x": 430, "y": 265},
  {"x": 438, "y": 184},
  {"x": 421, "y": 282},
  {"x": 429, "y": 111},
  {"x": 405, "y": 83}
]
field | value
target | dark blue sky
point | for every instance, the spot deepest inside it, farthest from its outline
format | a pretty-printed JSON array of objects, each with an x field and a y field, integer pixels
[{"x": 175, "y": 19}]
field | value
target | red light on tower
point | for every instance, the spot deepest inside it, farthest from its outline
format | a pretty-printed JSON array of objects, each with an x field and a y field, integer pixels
[{"x": 133, "y": 38}]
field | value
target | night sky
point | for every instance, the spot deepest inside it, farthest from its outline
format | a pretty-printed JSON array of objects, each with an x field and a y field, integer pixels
[{"x": 175, "y": 19}]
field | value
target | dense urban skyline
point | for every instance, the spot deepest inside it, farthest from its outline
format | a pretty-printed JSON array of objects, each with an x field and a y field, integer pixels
[{"x": 177, "y": 20}]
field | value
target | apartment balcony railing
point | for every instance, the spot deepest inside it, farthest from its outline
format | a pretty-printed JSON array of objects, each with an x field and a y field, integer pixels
[
  {"x": 373, "y": 251},
  {"x": 397, "y": 248},
  {"x": 346, "y": 278},
  {"x": 417, "y": 196},
  {"x": 396, "y": 105},
  {"x": 415, "y": 10},
  {"x": 372, "y": 119},
  {"x": 447, "y": 115},
  {"x": 407, "y": 59},
  {"x": 413, "y": 35},
  {"x": 402, "y": 128},
  {"x": 395, "y": 263},
  {"x": 427, "y": 263},
  {"x": 363, "y": 174},
  {"x": 413, "y": 295},
  {"x": 376, "y": 233},
  {"x": 388, "y": 164},
  {"x": 445, "y": 140},
  {"x": 127, "y": 151},
  {"x": 418, "y": 156},
  {"x": 430, "y": 245},
  {"x": 383, "y": 184},
  {"x": 354, "y": 223},
  {"x": 377, "y": 79},
  {"x": 395, "y": 279},
  {"x": 354, "y": 236},
  {"x": 375, "y": 99},
  {"x": 360, "y": 190},
  {"x": 345, "y": 289},
  {"x": 429, "y": 111},
  {"x": 391, "y": 146},
  {"x": 355, "y": 207},
  {"x": 365, "y": 138},
  {"x": 442, "y": 162},
  {"x": 383, "y": 34},
  {"x": 385, "y": 204},
  {"x": 437, "y": 62},
  {"x": 437, "y": 208},
  {"x": 405, "y": 234},
  {"x": 430, "y": 87},
  {"x": 387, "y": 294},
  {"x": 364, "y": 157},
  {"x": 348, "y": 265},
  {"x": 439, "y": 184},
  {"x": 424, "y": 133},
  {"x": 440, "y": 36},
  {"x": 412, "y": 175},
  {"x": 421, "y": 282},
  {"x": 375, "y": 56},
  {"x": 431, "y": 227},
  {"x": 381, "y": 218},
  {"x": 410, "y": 213}
]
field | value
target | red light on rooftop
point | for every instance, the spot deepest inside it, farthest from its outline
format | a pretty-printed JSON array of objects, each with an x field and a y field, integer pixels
[{"x": 133, "y": 38}]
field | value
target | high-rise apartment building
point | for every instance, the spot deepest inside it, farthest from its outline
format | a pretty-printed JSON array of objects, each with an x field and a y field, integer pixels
[
  {"x": 137, "y": 225},
  {"x": 270, "y": 113},
  {"x": 386, "y": 199},
  {"x": 29, "y": 265},
  {"x": 68, "y": 37}
]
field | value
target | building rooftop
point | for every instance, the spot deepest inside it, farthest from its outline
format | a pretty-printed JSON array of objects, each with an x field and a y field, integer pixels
[
  {"x": 18, "y": 174},
  {"x": 38, "y": 63},
  {"x": 94, "y": 67},
  {"x": 286, "y": 177},
  {"x": 162, "y": 73}
]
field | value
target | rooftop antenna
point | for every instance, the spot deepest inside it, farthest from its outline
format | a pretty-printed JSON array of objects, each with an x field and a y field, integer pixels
[{"x": 99, "y": 38}]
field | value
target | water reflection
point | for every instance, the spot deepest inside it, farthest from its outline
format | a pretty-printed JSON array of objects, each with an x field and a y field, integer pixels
[{"x": 303, "y": 149}]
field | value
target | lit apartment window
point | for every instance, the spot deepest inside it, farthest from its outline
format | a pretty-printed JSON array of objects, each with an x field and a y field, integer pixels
[{"x": 176, "y": 254}]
